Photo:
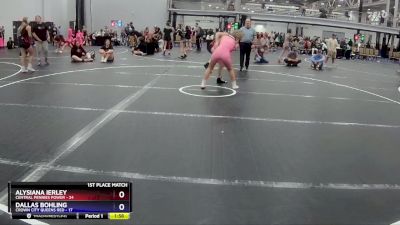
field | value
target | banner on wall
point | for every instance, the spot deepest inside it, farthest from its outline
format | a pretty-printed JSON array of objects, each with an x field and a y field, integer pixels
[{"x": 116, "y": 23}]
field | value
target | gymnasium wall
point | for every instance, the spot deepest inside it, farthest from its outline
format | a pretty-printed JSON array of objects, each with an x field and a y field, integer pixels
[
  {"x": 311, "y": 31},
  {"x": 58, "y": 11},
  {"x": 99, "y": 13}
]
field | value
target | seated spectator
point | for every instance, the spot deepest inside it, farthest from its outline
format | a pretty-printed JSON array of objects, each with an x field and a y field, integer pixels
[
  {"x": 141, "y": 49},
  {"x": 60, "y": 43},
  {"x": 292, "y": 59},
  {"x": 107, "y": 52},
  {"x": 78, "y": 54},
  {"x": 260, "y": 56},
  {"x": 152, "y": 46},
  {"x": 307, "y": 46},
  {"x": 10, "y": 43},
  {"x": 324, "y": 48},
  {"x": 317, "y": 60}
]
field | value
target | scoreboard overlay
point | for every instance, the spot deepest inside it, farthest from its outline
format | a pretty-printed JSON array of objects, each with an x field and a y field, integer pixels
[{"x": 73, "y": 200}]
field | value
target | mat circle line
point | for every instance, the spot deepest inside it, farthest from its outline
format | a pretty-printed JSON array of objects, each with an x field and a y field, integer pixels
[{"x": 181, "y": 90}]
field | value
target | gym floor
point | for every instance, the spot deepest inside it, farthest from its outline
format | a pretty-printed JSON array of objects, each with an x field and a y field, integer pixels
[{"x": 292, "y": 146}]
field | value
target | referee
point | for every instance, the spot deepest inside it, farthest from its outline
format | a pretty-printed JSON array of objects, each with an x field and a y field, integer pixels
[{"x": 245, "y": 43}]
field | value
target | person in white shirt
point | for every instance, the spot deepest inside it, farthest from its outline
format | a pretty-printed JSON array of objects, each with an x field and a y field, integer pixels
[{"x": 332, "y": 44}]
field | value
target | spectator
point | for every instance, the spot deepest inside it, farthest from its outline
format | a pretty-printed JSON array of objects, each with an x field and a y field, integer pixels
[
  {"x": 141, "y": 49},
  {"x": 324, "y": 48},
  {"x": 303, "y": 10},
  {"x": 157, "y": 33},
  {"x": 60, "y": 43},
  {"x": 260, "y": 56},
  {"x": 199, "y": 36},
  {"x": 25, "y": 40},
  {"x": 70, "y": 36},
  {"x": 292, "y": 59},
  {"x": 10, "y": 43},
  {"x": 188, "y": 38},
  {"x": 317, "y": 60},
  {"x": 209, "y": 39},
  {"x": 351, "y": 42},
  {"x": 80, "y": 38},
  {"x": 182, "y": 44},
  {"x": 2, "y": 30},
  {"x": 152, "y": 46},
  {"x": 54, "y": 32},
  {"x": 286, "y": 45},
  {"x": 168, "y": 31},
  {"x": 78, "y": 53},
  {"x": 42, "y": 38},
  {"x": 107, "y": 52},
  {"x": 332, "y": 44},
  {"x": 85, "y": 35}
]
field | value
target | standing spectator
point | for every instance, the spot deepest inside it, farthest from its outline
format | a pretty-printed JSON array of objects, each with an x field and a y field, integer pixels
[
  {"x": 55, "y": 33},
  {"x": 182, "y": 44},
  {"x": 245, "y": 43},
  {"x": 303, "y": 10},
  {"x": 50, "y": 30},
  {"x": 70, "y": 36},
  {"x": 209, "y": 39},
  {"x": 158, "y": 36},
  {"x": 129, "y": 30},
  {"x": 85, "y": 35},
  {"x": 2, "y": 36},
  {"x": 351, "y": 42},
  {"x": 188, "y": 38},
  {"x": 80, "y": 38},
  {"x": 199, "y": 36},
  {"x": 157, "y": 33},
  {"x": 332, "y": 44},
  {"x": 168, "y": 31},
  {"x": 286, "y": 45},
  {"x": 25, "y": 42},
  {"x": 123, "y": 37},
  {"x": 324, "y": 48},
  {"x": 42, "y": 38},
  {"x": 2, "y": 30}
]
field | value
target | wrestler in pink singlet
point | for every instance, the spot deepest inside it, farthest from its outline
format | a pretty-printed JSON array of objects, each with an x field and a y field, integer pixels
[{"x": 222, "y": 54}]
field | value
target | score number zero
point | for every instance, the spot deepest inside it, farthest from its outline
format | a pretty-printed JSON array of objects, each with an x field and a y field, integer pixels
[{"x": 121, "y": 195}]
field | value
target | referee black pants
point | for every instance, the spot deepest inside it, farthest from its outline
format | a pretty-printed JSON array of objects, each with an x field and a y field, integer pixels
[{"x": 245, "y": 49}]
